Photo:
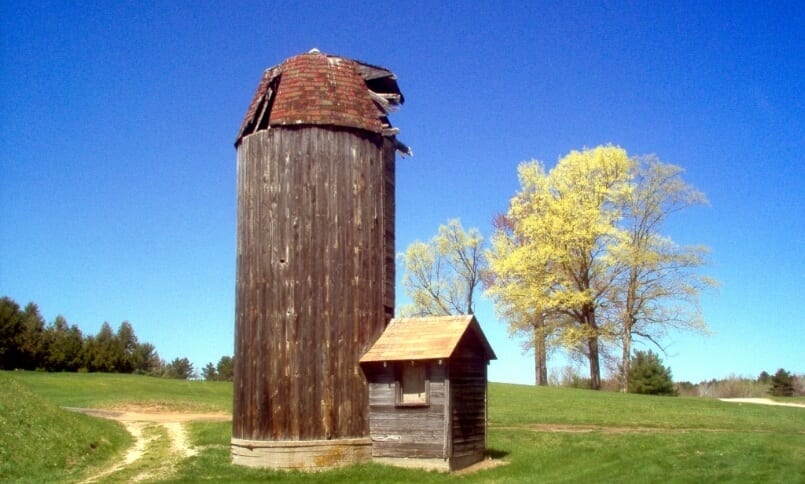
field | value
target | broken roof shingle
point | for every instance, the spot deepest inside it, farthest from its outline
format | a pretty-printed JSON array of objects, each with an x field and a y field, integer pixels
[{"x": 318, "y": 89}]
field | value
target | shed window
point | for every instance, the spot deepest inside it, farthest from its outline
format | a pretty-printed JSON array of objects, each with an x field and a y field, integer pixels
[{"x": 413, "y": 383}]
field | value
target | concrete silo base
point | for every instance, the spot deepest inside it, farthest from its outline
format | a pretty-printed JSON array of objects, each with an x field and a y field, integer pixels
[{"x": 311, "y": 455}]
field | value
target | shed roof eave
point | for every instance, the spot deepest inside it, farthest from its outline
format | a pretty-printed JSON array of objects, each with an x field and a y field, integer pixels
[{"x": 429, "y": 338}]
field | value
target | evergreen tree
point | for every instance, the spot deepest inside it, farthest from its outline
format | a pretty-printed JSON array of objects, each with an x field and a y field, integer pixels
[
  {"x": 27, "y": 344},
  {"x": 225, "y": 368},
  {"x": 180, "y": 368},
  {"x": 146, "y": 359},
  {"x": 125, "y": 348},
  {"x": 64, "y": 346},
  {"x": 88, "y": 350},
  {"x": 782, "y": 384},
  {"x": 648, "y": 376},
  {"x": 31, "y": 340},
  {"x": 208, "y": 372},
  {"x": 10, "y": 329},
  {"x": 74, "y": 341},
  {"x": 101, "y": 352}
]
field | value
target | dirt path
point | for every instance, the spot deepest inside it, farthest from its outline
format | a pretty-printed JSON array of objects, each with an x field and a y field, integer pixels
[
  {"x": 762, "y": 401},
  {"x": 150, "y": 428}
]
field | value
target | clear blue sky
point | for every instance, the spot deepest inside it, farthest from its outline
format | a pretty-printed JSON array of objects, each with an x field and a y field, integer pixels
[{"x": 117, "y": 165}]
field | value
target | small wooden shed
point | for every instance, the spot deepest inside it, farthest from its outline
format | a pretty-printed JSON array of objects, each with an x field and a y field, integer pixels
[{"x": 428, "y": 392}]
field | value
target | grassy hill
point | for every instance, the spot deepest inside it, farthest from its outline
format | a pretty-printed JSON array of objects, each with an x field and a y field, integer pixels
[
  {"x": 542, "y": 434},
  {"x": 40, "y": 442}
]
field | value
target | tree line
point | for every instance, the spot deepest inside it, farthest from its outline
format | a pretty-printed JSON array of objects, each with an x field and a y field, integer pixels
[
  {"x": 27, "y": 343},
  {"x": 579, "y": 261},
  {"x": 781, "y": 384}
]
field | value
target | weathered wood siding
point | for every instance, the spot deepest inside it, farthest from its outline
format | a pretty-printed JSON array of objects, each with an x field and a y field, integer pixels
[
  {"x": 406, "y": 432},
  {"x": 468, "y": 390},
  {"x": 315, "y": 279}
]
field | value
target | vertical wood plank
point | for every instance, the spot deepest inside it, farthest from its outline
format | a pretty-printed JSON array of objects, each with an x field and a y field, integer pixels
[{"x": 315, "y": 279}]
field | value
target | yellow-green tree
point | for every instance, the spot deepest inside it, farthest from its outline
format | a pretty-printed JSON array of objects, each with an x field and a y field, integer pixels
[
  {"x": 533, "y": 325},
  {"x": 659, "y": 285},
  {"x": 441, "y": 276},
  {"x": 556, "y": 262}
]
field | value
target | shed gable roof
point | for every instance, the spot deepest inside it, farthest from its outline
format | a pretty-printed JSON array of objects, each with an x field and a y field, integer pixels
[{"x": 428, "y": 338}]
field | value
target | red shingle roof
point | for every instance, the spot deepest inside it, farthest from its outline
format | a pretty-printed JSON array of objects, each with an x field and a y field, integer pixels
[{"x": 318, "y": 89}]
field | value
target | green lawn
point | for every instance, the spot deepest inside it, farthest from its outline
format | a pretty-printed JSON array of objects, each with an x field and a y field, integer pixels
[
  {"x": 542, "y": 434},
  {"x": 104, "y": 390},
  {"x": 525, "y": 405}
]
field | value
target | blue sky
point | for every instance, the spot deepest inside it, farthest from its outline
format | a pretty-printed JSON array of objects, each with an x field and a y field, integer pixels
[{"x": 117, "y": 165}]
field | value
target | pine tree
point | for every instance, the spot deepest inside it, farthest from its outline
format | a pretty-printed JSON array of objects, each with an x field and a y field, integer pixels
[
  {"x": 11, "y": 327},
  {"x": 180, "y": 368},
  {"x": 225, "y": 368},
  {"x": 209, "y": 373},
  {"x": 648, "y": 376},
  {"x": 782, "y": 384}
]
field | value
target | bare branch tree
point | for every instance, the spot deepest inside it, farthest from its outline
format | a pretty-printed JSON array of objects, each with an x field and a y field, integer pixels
[{"x": 441, "y": 276}]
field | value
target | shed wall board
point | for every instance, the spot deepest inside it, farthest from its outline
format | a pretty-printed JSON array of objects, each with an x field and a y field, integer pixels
[
  {"x": 406, "y": 431},
  {"x": 469, "y": 403}
]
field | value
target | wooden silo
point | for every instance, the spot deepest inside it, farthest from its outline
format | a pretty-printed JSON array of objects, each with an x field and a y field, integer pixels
[{"x": 315, "y": 259}]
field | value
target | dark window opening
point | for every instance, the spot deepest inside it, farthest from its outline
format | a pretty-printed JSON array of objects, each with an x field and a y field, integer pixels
[{"x": 413, "y": 385}]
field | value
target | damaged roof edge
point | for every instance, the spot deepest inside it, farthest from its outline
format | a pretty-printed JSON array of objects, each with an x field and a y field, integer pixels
[
  {"x": 382, "y": 92},
  {"x": 263, "y": 90}
]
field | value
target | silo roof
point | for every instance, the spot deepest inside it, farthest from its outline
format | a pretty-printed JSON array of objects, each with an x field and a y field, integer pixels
[{"x": 320, "y": 89}]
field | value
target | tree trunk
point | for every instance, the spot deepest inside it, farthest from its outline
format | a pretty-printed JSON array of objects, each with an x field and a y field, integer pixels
[
  {"x": 540, "y": 358},
  {"x": 626, "y": 358},
  {"x": 628, "y": 324},
  {"x": 595, "y": 370},
  {"x": 592, "y": 346}
]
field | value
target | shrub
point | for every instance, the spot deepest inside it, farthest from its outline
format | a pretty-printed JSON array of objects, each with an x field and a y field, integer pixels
[
  {"x": 648, "y": 376},
  {"x": 737, "y": 387},
  {"x": 686, "y": 388},
  {"x": 734, "y": 386},
  {"x": 580, "y": 382},
  {"x": 799, "y": 385},
  {"x": 569, "y": 377}
]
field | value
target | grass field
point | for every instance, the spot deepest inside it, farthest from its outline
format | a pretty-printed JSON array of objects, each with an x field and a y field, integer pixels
[
  {"x": 105, "y": 390},
  {"x": 541, "y": 434}
]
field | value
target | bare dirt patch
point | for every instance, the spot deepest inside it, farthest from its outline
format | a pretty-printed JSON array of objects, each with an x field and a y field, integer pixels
[
  {"x": 762, "y": 401},
  {"x": 134, "y": 414},
  {"x": 585, "y": 429},
  {"x": 137, "y": 420},
  {"x": 488, "y": 463}
]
